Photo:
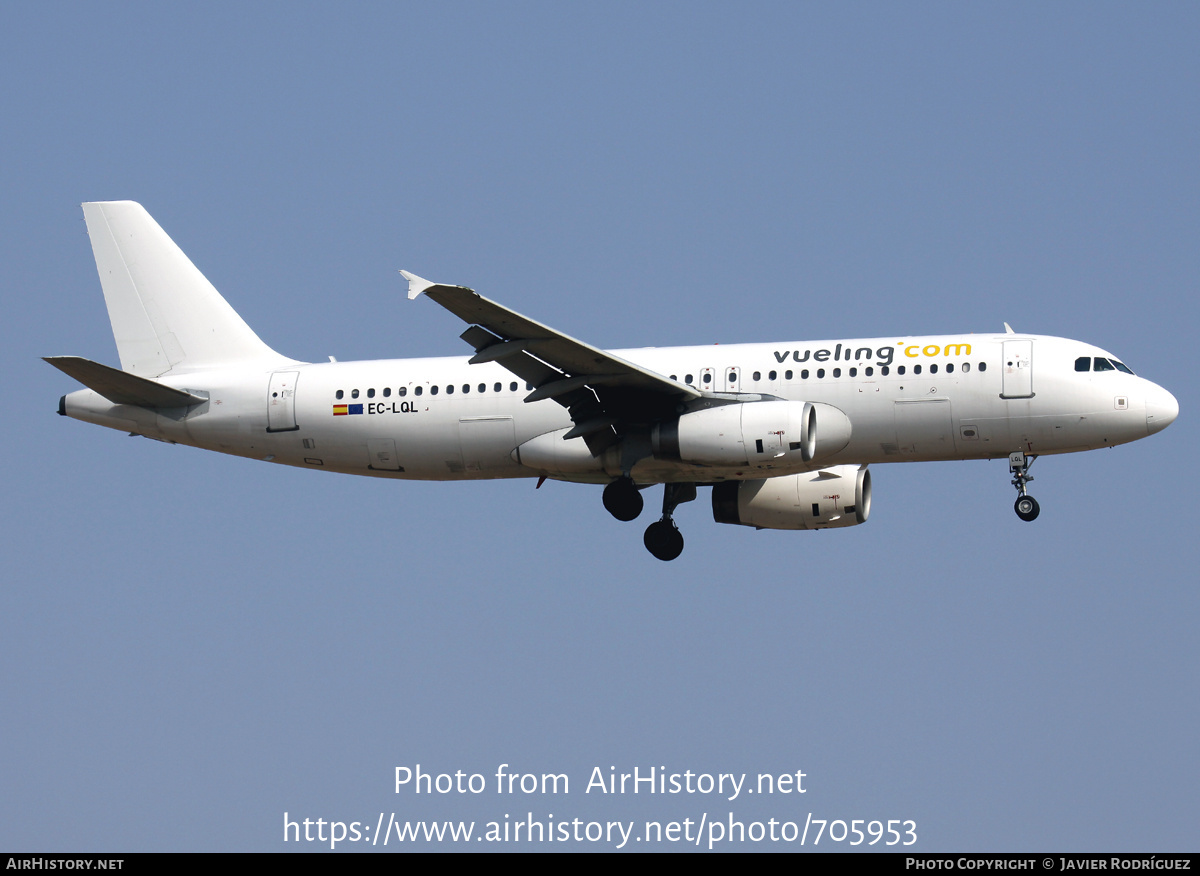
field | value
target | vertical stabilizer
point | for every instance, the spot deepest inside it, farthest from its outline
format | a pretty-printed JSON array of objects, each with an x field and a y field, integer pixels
[{"x": 165, "y": 315}]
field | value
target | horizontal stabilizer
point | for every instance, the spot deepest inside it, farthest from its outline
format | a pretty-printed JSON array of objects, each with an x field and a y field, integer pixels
[{"x": 121, "y": 387}]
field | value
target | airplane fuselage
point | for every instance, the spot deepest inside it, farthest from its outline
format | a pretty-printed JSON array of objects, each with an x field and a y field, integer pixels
[{"x": 914, "y": 399}]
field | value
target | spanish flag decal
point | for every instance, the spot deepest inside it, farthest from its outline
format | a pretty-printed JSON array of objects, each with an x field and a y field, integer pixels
[{"x": 343, "y": 410}]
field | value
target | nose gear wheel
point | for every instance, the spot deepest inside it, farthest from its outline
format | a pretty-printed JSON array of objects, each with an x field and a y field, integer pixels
[{"x": 1026, "y": 506}]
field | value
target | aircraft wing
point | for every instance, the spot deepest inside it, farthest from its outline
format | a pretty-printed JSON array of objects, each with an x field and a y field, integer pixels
[{"x": 603, "y": 393}]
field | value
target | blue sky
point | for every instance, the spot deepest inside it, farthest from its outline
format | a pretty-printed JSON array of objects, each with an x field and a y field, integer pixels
[{"x": 192, "y": 645}]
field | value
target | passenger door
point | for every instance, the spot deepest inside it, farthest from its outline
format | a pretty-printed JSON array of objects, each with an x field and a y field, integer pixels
[{"x": 1018, "y": 370}]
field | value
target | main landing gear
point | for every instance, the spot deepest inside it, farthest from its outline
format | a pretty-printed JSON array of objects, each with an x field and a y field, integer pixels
[
  {"x": 622, "y": 499},
  {"x": 662, "y": 537},
  {"x": 1026, "y": 506}
]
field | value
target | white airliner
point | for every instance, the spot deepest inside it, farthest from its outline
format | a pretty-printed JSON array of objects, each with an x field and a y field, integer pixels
[{"x": 783, "y": 433}]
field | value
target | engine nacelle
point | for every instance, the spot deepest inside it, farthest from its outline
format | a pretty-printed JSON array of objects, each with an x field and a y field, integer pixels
[
  {"x": 765, "y": 434},
  {"x": 823, "y": 499}
]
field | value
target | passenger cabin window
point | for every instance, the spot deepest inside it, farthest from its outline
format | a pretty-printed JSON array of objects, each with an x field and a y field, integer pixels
[
  {"x": 370, "y": 393},
  {"x": 387, "y": 392},
  {"x": 418, "y": 390},
  {"x": 983, "y": 366},
  {"x": 402, "y": 391},
  {"x": 340, "y": 394},
  {"x": 354, "y": 393}
]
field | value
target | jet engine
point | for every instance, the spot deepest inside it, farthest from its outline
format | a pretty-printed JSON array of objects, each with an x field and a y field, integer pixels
[
  {"x": 831, "y": 497},
  {"x": 764, "y": 434}
]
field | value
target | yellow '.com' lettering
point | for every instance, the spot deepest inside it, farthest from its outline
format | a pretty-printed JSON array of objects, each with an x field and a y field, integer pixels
[{"x": 934, "y": 350}]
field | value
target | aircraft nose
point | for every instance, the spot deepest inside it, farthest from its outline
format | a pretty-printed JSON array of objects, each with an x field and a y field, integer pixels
[{"x": 1161, "y": 409}]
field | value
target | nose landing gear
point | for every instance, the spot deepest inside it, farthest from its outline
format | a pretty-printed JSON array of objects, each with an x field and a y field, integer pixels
[
  {"x": 1026, "y": 506},
  {"x": 663, "y": 538}
]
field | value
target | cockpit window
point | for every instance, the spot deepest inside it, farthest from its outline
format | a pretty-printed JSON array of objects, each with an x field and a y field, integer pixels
[
  {"x": 1083, "y": 363},
  {"x": 1121, "y": 366},
  {"x": 1102, "y": 364}
]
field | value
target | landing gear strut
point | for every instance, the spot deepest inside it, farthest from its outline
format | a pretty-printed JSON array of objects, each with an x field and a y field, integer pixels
[
  {"x": 1026, "y": 506},
  {"x": 663, "y": 538},
  {"x": 622, "y": 499}
]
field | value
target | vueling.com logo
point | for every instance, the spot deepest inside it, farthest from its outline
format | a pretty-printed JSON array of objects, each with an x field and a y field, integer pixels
[{"x": 881, "y": 356}]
